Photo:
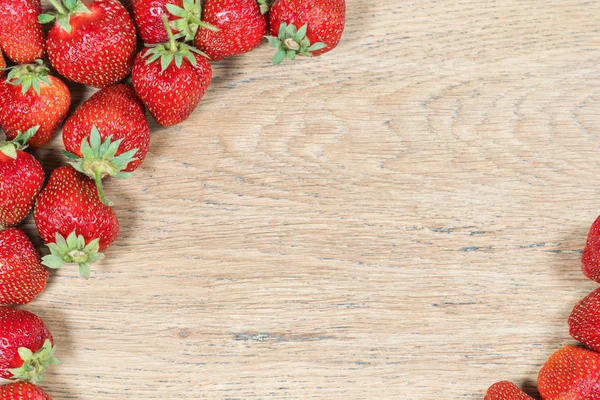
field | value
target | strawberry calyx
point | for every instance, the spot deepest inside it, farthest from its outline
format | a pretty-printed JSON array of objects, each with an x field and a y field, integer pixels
[
  {"x": 34, "y": 364},
  {"x": 171, "y": 51},
  {"x": 73, "y": 250},
  {"x": 98, "y": 160},
  {"x": 64, "y": 11},
  {"x": 29, "y": 76},
  {"x": 264, "y": 6},
  {"x": 189, "y": 19},
  {"x": 291, "y": 42},
  {"x": 10, "y": 148}
]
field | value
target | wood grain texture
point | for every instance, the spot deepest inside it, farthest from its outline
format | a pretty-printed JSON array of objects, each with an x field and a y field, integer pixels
[{"x": 400, "y": 219}]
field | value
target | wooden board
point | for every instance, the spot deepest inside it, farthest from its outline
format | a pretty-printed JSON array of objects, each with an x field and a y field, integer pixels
[{"x": 400, "y": 219}]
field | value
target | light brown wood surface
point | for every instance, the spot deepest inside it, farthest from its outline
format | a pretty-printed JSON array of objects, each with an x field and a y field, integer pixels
[{"x": 402, "y": 218}]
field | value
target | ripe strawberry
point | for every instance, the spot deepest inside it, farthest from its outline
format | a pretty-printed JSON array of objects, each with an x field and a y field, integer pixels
[
  {"x": 21, "y": 35},
  {"x": 305, "y": 27},
  {"x": 22, "y": 391},
  {"x": 22, "y": 274},
  {"x": 92, "y": 43},
  {"x": 584, "y": 321},
  {"x": 591, "y": 253},
  {"x": 27, "y": 346},
  {"x": 2, "y": 63},
  {"x": 184, "y": 17},
  {"x": 73, "y": 222},
  {"x": 571, "y": 373},
  {"x": 171, "y": 78},
  {"x": 242, "y": 27},
  {"x": 30, "y": 97},
  {"x": 105, "y": 134},
  {"x": 505, "y": 391},
  {"x": 21, "y": 179}
]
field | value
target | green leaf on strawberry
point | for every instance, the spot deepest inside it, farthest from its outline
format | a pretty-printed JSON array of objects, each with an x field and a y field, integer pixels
[
  {"x": 73, "y": 250},
  {"x": 291, "y": 42},
  {"x": 65, "y": 11},
  {"x": 34, "y": 364},
  {"x": 171, "y": 51},
  {"x": 29, "y": 76},
  {"x": 10, "y": 148},
  {"x": 189, "y": 19},
  {"x": 264, "y": 6},
  {"x": 99, "y": 160}
]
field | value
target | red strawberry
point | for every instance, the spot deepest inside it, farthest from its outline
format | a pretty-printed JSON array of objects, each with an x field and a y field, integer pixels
[
  {"x": 184, "y": 17},
  {"x": 571, "y": 373},
  {"x": 305, "y": 27},
  {"x": 30, "y": 97},
  {"x": 106, "y": 132},
  {"x": 22, "y": 275},
  {"x": 22, "y": 391},
  {"x": 584, "y": 321},
  {"x": 92, "y": 43},
  {"x": 242, "y": 27},
  {"x": 72, "y": 220},
  {"x": 591, "y": 253},
  {"x": 27, "y": 346},
  {"x": 21, "y": 179},
  {"x": 505, "y": 391},
  {"x": 171, "y": 78},
  {"x": 21, "y": 35},
  {"x": 2, "y": 63}
]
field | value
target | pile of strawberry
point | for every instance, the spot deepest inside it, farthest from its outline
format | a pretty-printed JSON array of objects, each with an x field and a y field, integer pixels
[
  {"x": 573, "y": 372},
  {"x": 94, "y": 42}
]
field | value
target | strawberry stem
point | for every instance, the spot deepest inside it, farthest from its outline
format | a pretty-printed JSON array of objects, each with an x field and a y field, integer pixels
[
  {"x": 172, "y": 43},
  {"x": 58, "y": 6},
  {"x": 203, "y": 24},
  {"x": 98, "y": 180}
]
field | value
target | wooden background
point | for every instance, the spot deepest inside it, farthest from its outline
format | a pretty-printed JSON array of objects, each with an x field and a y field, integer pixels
[{"x": 400, "y": 219}]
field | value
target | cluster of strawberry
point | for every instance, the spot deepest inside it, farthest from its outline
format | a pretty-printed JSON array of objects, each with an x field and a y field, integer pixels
[
  {"x": 573, "y": 372},
  {"x": 94, "y": 42}
]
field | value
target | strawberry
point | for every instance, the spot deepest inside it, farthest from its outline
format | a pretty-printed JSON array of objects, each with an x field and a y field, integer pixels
[
  {"x": 22, "y": 274},
  {"x": 105, "y": 134},
  {"x": 241, "y": 27},
  {"x": 305, "y": 27},
  {"x": 2, "y": 63},
  {"x": 22, "y": 391},
  {"x": 21, "y": 35},
  {"x": 571, "y": 373},
  {"x": 92, "y": 43},
  {"x": 73, "y": 222},
  {"x": 505, "y": 391},
  {"x": 27, "y": 346},
  {"x": 21, "y": 179},
  {"x": 171, "y": 78},
  {"x": 584, "y": 321},
  {"x": 591, "y": 253},
  {"x": 184, "y": 17},
  {"x": 30, "y": 97}
]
